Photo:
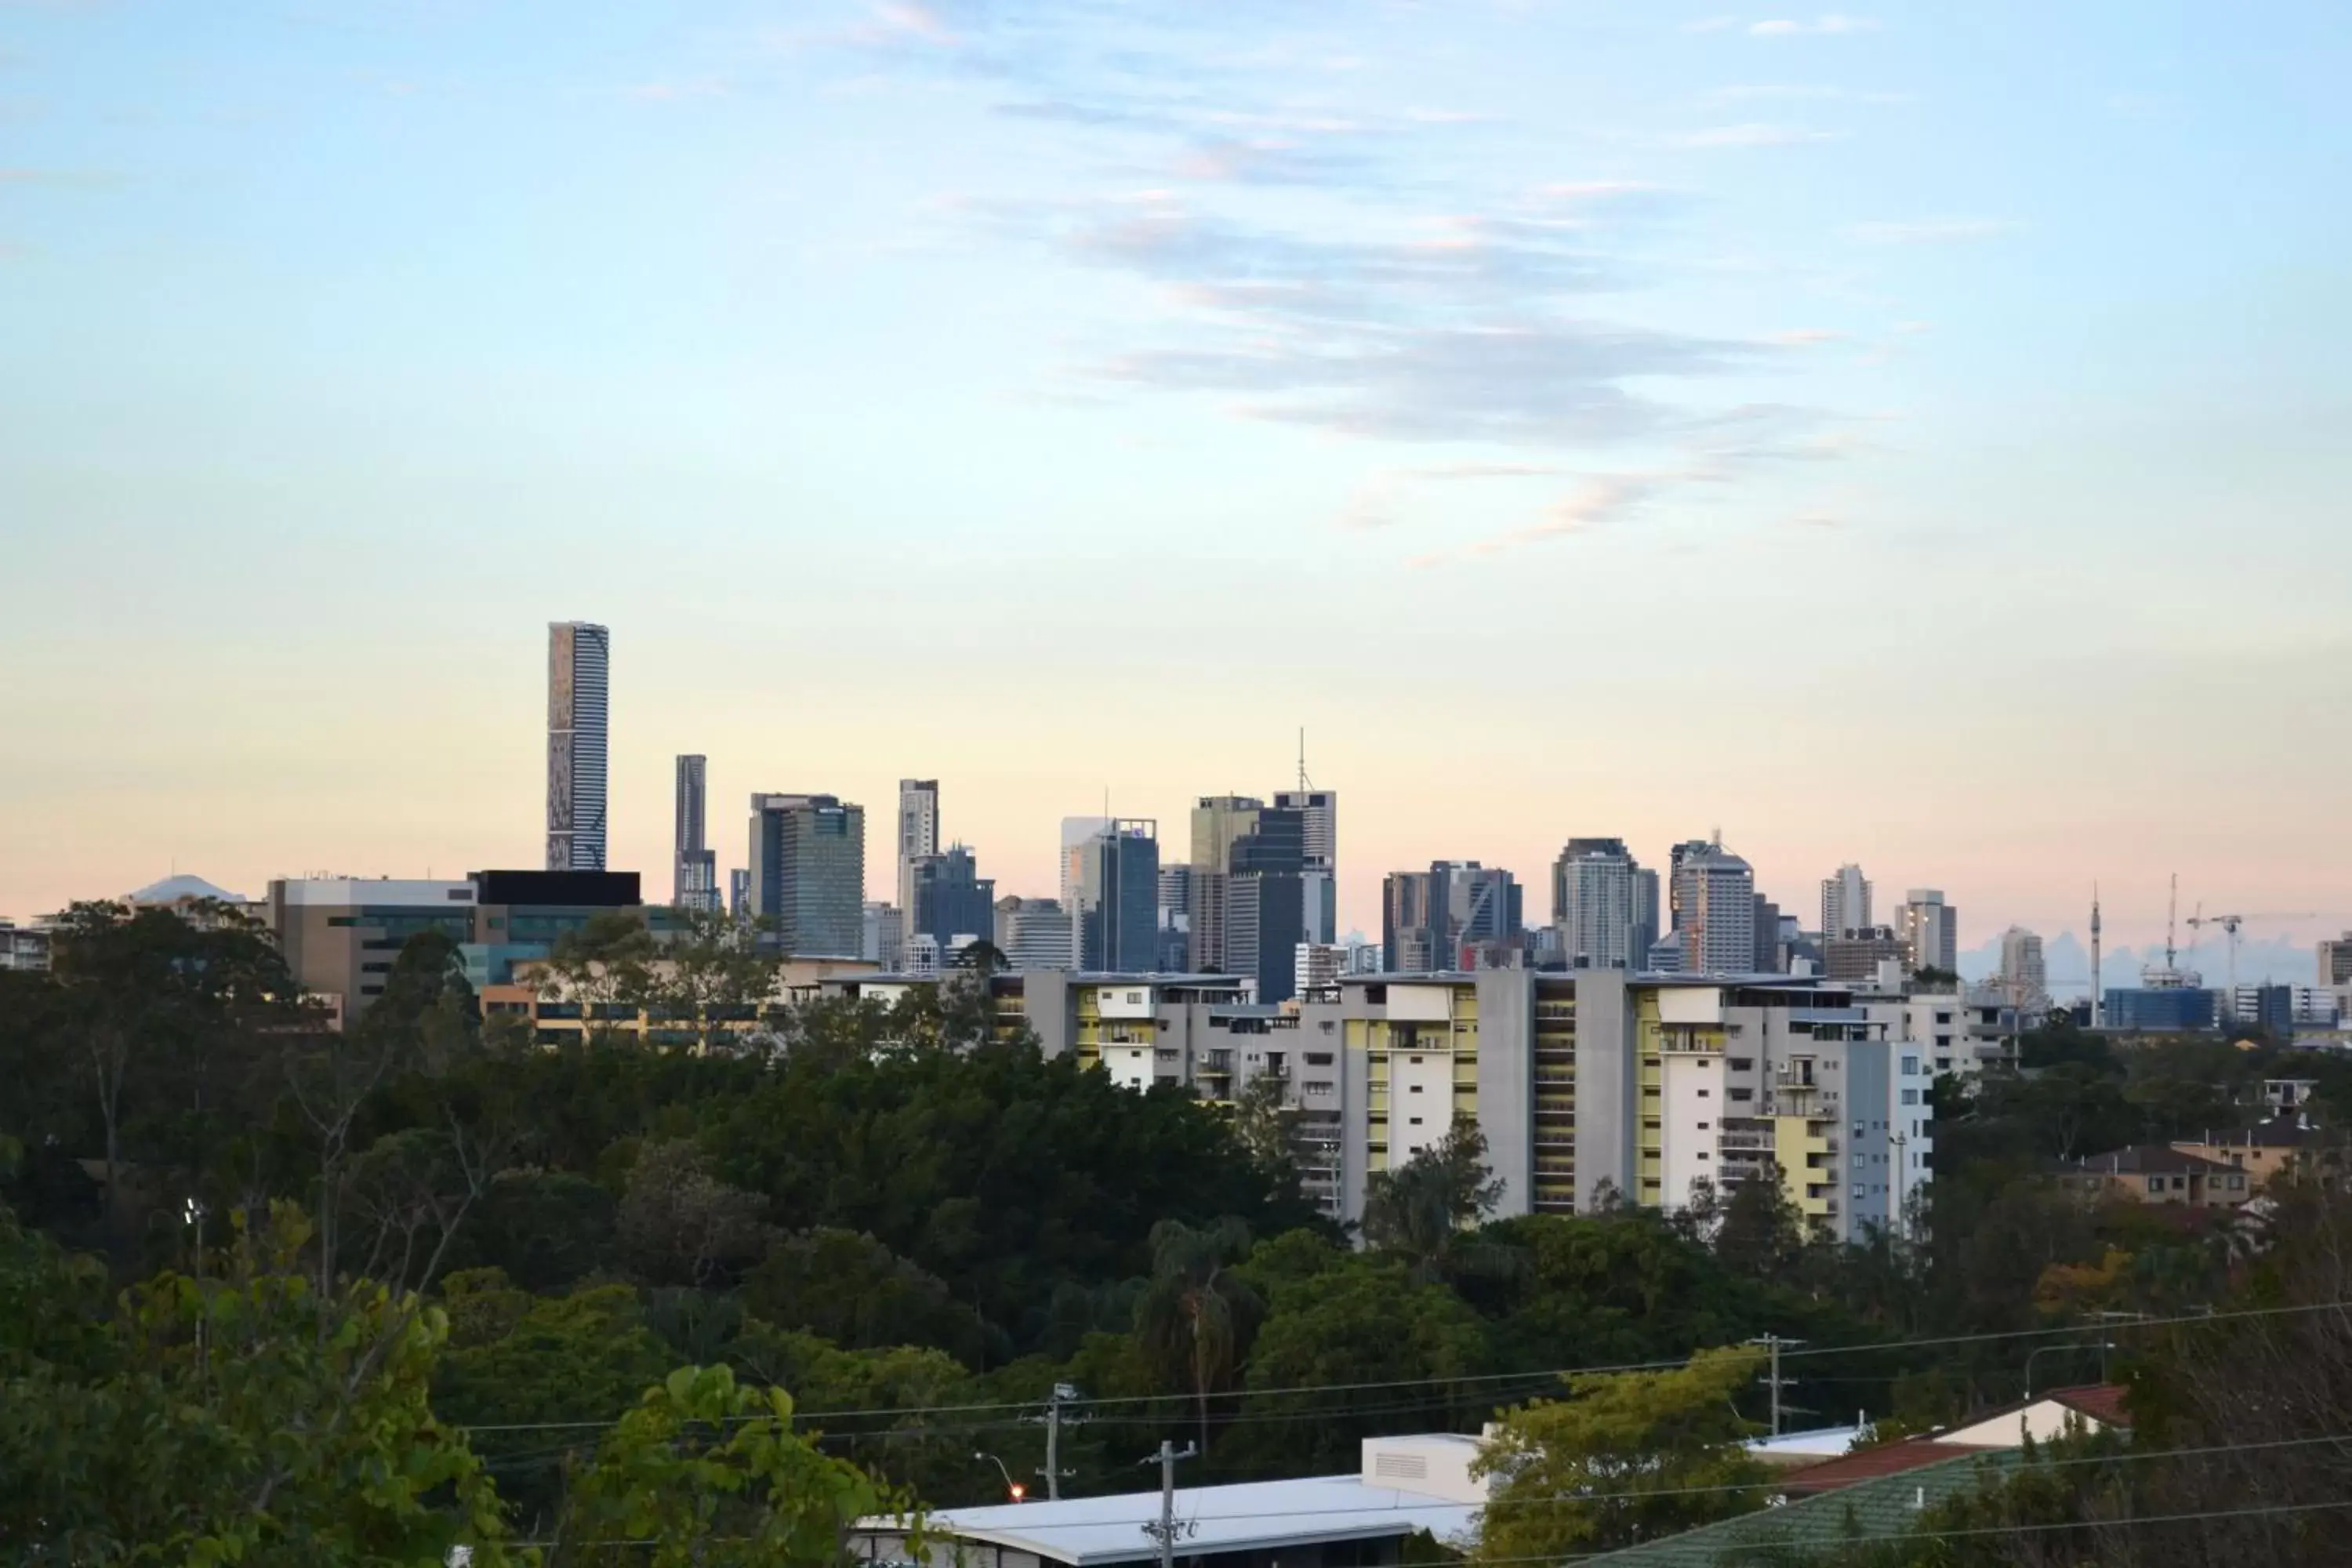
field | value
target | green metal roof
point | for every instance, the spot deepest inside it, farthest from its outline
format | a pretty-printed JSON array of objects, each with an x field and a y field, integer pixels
[{"x": 1883, "y": 1507}]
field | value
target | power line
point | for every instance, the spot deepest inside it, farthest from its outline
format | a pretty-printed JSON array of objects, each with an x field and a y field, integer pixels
[
  {"x": 1474, "y": 1379},
  {"x": 1764, "y": 1487},
  {"x": 1974, "y": 1530}
]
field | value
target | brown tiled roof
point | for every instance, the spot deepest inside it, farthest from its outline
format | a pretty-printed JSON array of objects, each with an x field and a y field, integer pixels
[
  {"x": 2102, "y": 1402},
  {"x": 2146, "y": 1160},
  {"x": 1869, "y": 1464}
]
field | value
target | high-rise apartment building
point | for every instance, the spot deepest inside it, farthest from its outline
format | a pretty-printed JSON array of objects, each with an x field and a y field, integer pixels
[
  {"x": 1318, "y": 812},
  {"x": 883, "y": 938},
  {"x": 1714, "y": 908},
  {"x": 739, "y": 893},
  {"x": 808, "y": 873},
  {"x": 1932, "y": 927},
  {"x": 2023, "y": 976},
  {"x": 918, "y": 835},
  {"x": 1856, "y": 955},
  {"x": 1845, "y": 902},
  {"x": 694, "y": 873},
  {"x": 1603, "y": 905},
  {"x": 1118, "y": 897},
  {"x": 1035, "y": 933},
  {"x": 2336, "y": 961},
  {"x": 949, "y": 898},
  {"x": 1771, "y": 957},
  {"x": 1077, "y": 832},
  {"x": 579, "y": 674}
]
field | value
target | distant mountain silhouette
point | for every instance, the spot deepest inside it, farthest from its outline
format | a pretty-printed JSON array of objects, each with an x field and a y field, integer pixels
[
  {"x": 171, "y": 890},
  {"x": 2275, "y": 961}
]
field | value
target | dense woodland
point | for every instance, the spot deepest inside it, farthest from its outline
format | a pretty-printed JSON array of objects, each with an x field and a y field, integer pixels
[{"x": 274, "y": 1293}]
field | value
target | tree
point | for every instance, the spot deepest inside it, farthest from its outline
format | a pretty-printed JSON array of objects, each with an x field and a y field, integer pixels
[
  {"x": 678, "y": 1224},
  {"x": 853, "y": 1291},
  {"x": 607, "y": 962},
  {"x": 707, "y": 1473},
  {"x": 712, "y": 972},
  {"x": 1415, "y": 1208},
  {"x": 1762, "y": 1233},
  {"x": 1625, "y": 1458},
  {"x": 245, "y": 1417},
  {"x": 1263, "y": 1122},
  {"x": 1361, "y": 1323},
  {"x": 574, "y": 1360},
  {"x": 1196, "y": 1319}
]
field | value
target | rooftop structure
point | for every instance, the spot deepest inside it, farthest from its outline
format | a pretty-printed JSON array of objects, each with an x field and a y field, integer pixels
[{"x": 1407, "y": 1485}]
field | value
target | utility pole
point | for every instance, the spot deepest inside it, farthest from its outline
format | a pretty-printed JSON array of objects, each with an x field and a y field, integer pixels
[
  {"x": 1167, "y": 1530},
  {"x": 1775, "y": 1344},
  {"x": 1063, "y": 1393}
]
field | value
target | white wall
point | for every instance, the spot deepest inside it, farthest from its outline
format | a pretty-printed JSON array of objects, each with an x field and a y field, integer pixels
[
  {"x": 1691, "y": 1110},
  {"x": 1432, "y": 1074}
]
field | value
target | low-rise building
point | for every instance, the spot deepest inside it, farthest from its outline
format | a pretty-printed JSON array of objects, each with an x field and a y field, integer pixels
[
  {"x": 2284, "y": 1143},
  {"x": 1407, "y": 1486},
  {"x": 25, "y": 947},
  {"x": 2158, "y": 1174}
]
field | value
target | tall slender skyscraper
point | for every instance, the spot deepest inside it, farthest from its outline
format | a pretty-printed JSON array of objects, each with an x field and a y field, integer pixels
[
  {"x": 1318, "y": 812},
  {"x": 1715, "y": 909},
  {"x": 579, "y": 671},
  {"x": 1597, "y": 899},
  {"x": 918, "y": 835},
  {"x": 694, "y": 876},
  {"x": 1932, "y": 928}
]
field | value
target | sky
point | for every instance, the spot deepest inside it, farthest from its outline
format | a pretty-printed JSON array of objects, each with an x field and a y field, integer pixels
[{"x": 1910, "y": 436}]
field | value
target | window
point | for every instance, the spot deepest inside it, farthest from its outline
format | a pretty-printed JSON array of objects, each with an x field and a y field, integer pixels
[
  {"x": 1910, "y": 1097},
  {"x": 1702, "y": 1094},
  {"x": 1910, "y": 1067},
  {"x": 2156, "y": 1184},
  {"x": 1701, "y": 1153},
  {"x": 1743, "y": 1094},
  {"x": 1702, "y": 1126},
  {"x": 1414, "y": 1121},
  {"x": 375, "y": 969},
  {"x": 1859, "y": 1162},
  {"x": 1740, "y": 1064},
  {"x": 1859, "y": 1190},
  {"x": 1417, "y": 1061},
  {"x": 1415, "y": 1089},
  {"x": 1318, "y": 1059},
  {"x": 1858, "y": 1129}
]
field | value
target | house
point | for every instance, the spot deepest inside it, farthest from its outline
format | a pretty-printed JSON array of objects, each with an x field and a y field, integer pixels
[
  {"x": 2158, "y": 1174},
  {"x": 1407, "y": 1486},
  {"x": 1879, "y": 1493},
  {"x": 2283, "y": 1142}
]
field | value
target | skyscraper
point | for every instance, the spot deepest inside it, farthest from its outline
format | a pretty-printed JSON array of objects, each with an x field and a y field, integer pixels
[
  {"x": 1118, "y": 897},
  {"x": 1597, "y": 897},
  {"x": 1076, "y": 833},
  {"x": 1932, "y": 927},
  {"x": 1715, "y": 905},
  {"x": 1845, "y": 902},
  {"x": 1034, "y": 933},
  {"x": 949, "y": 898},
  {"x": 579, "y": 673},
  {"x": 808, "y": 873},
  {"x": 694, "y": 874},
  {"x": 918, "y": 835},
  {"x": 1456, "y": 914},
  {"x": 2023, "y": 976},
  {"x": 1319, "y": 811},
  {"x": 1245, "y": 897}
]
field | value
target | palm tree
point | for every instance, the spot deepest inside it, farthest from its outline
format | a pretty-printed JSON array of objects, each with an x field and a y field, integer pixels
[{"x": 1196, "y": 1319}]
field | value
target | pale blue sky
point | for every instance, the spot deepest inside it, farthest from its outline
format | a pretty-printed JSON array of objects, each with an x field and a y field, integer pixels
[{"x": 1912, "y": 433}]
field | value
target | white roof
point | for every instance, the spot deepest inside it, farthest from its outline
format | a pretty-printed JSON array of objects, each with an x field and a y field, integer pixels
[
  {"x": 1251, "y": 1516},
  {"x": 1823, "y": 1443}
]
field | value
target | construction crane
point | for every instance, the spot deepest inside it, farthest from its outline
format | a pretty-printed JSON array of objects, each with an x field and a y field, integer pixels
[{"x": 2230, "y": 925}]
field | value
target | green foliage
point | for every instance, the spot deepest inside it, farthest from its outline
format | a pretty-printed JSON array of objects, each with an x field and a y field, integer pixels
[
  {"x": 1195, "y": 1322},
  {"x": 1363, "y": 1321},
  {"x": 707, "y": 1473},
  {"x": 1624, "y": 1458},
  {"x": 246, "y": 1418},
  {"x": 1416, "y": 1208},
  {"x": 853, "y": 1291}
]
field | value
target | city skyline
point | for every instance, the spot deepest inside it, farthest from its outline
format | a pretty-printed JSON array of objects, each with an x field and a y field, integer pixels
[{"x": 1609, "y": 348}]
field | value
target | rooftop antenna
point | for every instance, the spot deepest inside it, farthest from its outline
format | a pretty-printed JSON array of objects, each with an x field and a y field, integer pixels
[
  {"x": 1303, "y": 782},
  {"x": 2171, "y": 914}
]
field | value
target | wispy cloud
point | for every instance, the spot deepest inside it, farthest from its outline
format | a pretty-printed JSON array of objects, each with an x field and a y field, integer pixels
[
  {"x": 1827, "y": 25},
  {"x": 1754, "y": 135},
  {"x": 1930, "y": 231},
  {"x": 1800, "y": 92}
]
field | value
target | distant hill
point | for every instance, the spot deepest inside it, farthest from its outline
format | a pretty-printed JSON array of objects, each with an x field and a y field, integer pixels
[
  {"x": 171, "y": 890},
  {"x": 2278, "y": 960}
]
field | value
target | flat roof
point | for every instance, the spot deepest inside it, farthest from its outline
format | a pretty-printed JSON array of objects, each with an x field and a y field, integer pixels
[{"x": 1249, "y": 1516}]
